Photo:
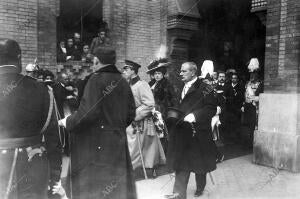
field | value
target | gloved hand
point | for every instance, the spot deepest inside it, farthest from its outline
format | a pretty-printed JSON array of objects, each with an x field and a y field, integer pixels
[
  {"x": 58, "y": 189},
  {"x": 190, "y": 118}
]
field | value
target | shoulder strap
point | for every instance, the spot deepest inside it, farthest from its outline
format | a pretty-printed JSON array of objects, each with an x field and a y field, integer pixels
[{"x": 49, "y": 111}]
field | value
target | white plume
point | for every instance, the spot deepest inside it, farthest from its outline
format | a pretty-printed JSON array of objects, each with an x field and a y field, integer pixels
[
  {"x": 162, "y": 52},
  {"x": 253, "y": 64},
  {"x": 207, "y": 68}
]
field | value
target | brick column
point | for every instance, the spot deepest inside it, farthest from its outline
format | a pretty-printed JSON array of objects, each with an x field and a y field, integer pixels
[
  {"x": 115, "y": 14},
  {"x": 46, "y": 32},
  {"x": 276, "y": 142},
  {"x": 137, "y": 28},
  {"x": 181, "y": 24}
]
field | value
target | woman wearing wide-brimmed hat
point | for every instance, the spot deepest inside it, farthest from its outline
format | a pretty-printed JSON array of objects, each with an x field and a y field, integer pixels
[{"x": 163, "y": 91}]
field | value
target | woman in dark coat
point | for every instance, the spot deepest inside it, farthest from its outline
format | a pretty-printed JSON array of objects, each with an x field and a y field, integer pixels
[{"x": 163, "y": 91}]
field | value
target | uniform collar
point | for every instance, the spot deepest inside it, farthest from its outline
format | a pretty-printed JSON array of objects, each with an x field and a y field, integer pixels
[{"x": 134, "y": 80}]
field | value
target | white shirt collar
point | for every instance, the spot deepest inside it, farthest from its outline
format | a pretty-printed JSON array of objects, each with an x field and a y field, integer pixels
[{"x": 190, "y": 83}]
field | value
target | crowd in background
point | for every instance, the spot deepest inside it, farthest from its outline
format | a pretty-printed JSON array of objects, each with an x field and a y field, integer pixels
[{"x": 74, "y": 49}]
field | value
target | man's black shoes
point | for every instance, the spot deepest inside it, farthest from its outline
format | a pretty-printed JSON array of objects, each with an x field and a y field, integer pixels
[{"x": 198, "y": 193}]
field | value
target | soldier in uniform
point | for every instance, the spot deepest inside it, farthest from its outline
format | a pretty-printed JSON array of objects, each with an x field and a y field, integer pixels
[
  {"x": 250, "y": 107},
  {"x": 28, "y": 135}
]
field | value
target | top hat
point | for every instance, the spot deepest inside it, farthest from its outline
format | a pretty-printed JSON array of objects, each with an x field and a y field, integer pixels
[{"x": 174, "y": 113}]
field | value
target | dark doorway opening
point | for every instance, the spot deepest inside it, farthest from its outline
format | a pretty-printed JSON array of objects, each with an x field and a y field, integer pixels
[
  {"x": 230, "y": 35},
  {"x": 81, "y": 16}
]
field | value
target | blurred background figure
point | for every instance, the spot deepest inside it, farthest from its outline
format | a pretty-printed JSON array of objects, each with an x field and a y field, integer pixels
[
  {"x": 100, "y": 40},
  {"x": 86, "y": 56},
  {"x": 250, "y": 108},
  {"x": 234, "y": 102},
  {"x": 61, "y": 52},
  {"x": 77, "y": 47},
  {"x": 70, "y": 49}
]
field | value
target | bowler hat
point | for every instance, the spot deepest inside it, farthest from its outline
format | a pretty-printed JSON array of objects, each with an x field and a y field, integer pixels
[{"x": 10, "y": 54}]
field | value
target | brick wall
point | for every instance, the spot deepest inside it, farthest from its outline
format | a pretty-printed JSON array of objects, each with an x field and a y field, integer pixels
[
  {"x": 47, "y": 13},
  {"x": 32, "y": 23},
  {"x": 282, "y": 46},
  {"x": 137, "y": 29},
  {"x": 18, "y": 21}
]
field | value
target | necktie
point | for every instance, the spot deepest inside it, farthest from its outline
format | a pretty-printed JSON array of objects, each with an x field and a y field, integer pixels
[{"x": 184, "y": 91}]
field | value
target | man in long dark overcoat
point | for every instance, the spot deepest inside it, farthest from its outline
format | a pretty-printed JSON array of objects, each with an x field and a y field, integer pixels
[
  {"x": 100, "y": 160},
  {"x": 191, "y": 146}
]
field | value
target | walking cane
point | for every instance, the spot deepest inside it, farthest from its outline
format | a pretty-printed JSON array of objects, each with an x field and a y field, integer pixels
[
  {"x": 211, "y": 178},
  {"x": 140, "y": 150},
  {"x": 11, "y": 174}
]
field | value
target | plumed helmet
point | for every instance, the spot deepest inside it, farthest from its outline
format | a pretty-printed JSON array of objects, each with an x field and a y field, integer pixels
[
  {"x": 10, "y": 55},
  {"x": 253, "y": 65},
  {"x": 207, "y": 68},
  {"x": 31, "y": 67}
]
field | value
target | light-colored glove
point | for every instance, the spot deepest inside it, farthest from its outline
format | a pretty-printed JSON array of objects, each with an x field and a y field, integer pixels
[
  {"x": 190, "y": 118},
  {"x": 242, "y": 109},
  {"x": 58, "y": 189},
  {"x": 63, "y": 122},
  {"x": 219, "y": 110}
]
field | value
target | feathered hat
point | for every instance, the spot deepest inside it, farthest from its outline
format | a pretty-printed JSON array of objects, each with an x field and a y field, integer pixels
[
  {"x": 253, "y": 65},
  {"x": 157, "y": 65},
  {"x": 207, "y": 68}
]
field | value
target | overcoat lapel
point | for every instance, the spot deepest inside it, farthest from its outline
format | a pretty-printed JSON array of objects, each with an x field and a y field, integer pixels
[{"x": 192, "y": 89}]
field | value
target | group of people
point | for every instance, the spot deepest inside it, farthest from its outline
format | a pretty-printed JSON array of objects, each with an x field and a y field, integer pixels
[
  {"x": 237, "y": 114},
  {"x": 116, "y": 123},
  {"x": 73, "y": 49}
]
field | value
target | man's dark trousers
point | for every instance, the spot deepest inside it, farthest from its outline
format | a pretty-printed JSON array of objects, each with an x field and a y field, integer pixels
[{"x": 182, "y": 179}]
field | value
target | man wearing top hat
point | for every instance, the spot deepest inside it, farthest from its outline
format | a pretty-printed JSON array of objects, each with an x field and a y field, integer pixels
[
  {"x": 143, "y": 126},
  {"x": 28, "y": 131},
  {"x": 191, "y": 145},
  {"x": 101, "y": 166}
]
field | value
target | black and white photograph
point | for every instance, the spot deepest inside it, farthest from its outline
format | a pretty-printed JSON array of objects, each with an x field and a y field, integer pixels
[{"x": 149, "y": 99}]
